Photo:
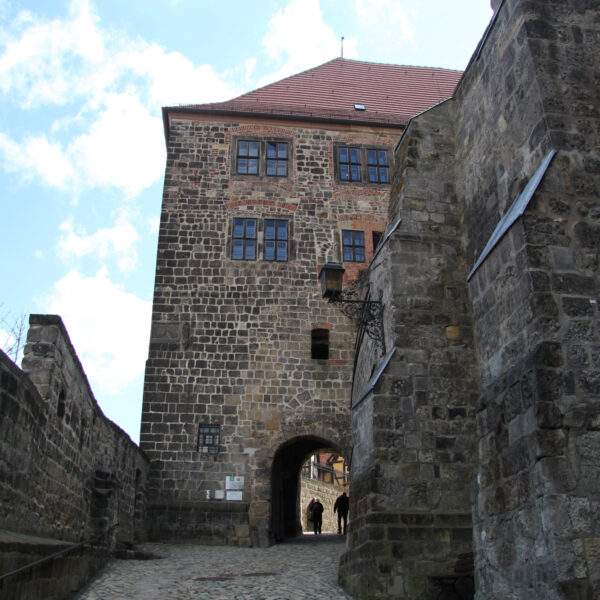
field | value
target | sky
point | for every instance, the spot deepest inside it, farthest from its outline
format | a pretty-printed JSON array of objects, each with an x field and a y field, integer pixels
[{"x": 82, "y": 151}]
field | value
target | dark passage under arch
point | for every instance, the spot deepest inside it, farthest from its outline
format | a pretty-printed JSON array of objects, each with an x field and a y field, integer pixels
[{"x": 285, "y": 484}]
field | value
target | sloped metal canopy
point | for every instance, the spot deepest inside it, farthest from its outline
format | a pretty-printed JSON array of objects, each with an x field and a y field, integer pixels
[{"x": 514, "y": 212}]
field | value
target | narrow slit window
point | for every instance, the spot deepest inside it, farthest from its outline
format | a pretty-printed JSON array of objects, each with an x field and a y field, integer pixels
[
  {"x": 353, "y": 243},
  {"x": 209, "y": 438},
  {"x": 244, "y": 239},
  {"x": 276, "y": 240},
  {"x": 377, "y": 166},
  {"x": 319, "y": 343}
]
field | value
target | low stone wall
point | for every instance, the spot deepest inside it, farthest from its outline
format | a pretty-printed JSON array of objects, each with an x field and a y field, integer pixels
[
  {"x": 67, "y": 473},
  {"x": 328, "y": 494}
]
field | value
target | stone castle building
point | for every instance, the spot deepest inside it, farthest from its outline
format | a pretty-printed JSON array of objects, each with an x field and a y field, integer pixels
[
  {"x": 249, "y": 369},
  {"x": 466, "y": 209}
]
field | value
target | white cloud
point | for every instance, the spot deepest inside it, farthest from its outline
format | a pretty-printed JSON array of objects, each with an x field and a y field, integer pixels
[
  {"x": 385, "y": 23},
  {"x": 298, "y": 37},
  {"x": 118, "y": 242},
  {"x": 37, "y": 156},
  {"x": 108, "y": 327},
  {"x": 110, "y": 89}
]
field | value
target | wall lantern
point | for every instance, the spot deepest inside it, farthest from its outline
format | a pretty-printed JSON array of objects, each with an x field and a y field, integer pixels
[{"x": 367, "y": 315}]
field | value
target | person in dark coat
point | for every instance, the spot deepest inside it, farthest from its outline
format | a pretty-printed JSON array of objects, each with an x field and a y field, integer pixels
[
  {"x": 341, "y": 506},
  {"x": 317, "y": 512},
  {"x": 309, "y": 512}
]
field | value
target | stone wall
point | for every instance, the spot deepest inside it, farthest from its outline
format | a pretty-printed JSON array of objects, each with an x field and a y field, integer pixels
[
  {"x": 327, "y": 493},
  {"x": 522, "y": 335},
  {"x": 66, "y": 472},
  {"x": 414, "y": 452},
  {"x": 534, "y": 299},
  {"x": 231, "y": 339}
]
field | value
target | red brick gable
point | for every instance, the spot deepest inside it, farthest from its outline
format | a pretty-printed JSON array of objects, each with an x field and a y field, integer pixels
[{"x": 391, "y": 94}]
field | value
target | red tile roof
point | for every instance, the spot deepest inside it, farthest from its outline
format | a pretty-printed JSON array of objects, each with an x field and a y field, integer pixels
[{"x": 391, "y": 94}]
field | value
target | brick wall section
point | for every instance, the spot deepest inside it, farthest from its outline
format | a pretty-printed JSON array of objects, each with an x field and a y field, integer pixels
[
  {"x": 414, "y": 435},
  {"x": 59, "y": 453},
  {"x": 534, "y": 299},
  {"x": 231, "y": 339}
]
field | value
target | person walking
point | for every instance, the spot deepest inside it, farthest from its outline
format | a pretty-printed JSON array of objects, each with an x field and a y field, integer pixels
[
  {"x": 317, "y": 513},
  {"x": 309, "y": 513},
  {"x": 341, "y": 506}
]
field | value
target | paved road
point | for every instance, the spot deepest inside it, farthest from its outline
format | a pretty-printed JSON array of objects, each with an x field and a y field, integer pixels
[{"x": 305, "y": 569}]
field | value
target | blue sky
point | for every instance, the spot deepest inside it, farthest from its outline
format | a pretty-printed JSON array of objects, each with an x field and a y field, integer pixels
[{"x": 82, "y": 152}]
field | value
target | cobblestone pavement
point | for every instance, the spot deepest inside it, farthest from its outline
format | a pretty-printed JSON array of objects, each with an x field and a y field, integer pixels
[{"x": 305, "y": 569}]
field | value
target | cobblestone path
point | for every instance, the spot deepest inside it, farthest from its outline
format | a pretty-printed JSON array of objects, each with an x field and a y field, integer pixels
[{"x": 305, "y": 569}]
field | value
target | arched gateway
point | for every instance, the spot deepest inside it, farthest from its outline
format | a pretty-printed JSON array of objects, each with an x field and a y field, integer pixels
[{"x": 286, "y": 515}]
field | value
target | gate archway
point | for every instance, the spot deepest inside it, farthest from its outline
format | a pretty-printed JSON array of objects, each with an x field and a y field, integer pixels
[{"x": 285, "y": 483}]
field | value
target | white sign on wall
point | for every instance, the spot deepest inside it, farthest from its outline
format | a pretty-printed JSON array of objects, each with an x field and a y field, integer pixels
[{"x": 234, "y": 482}]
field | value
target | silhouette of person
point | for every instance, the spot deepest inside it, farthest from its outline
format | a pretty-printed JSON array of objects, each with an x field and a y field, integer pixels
[
  {"x": 317, "y": 513},
  {"x": 309, "y": 512},
  {"x": 341, "y": 506}
]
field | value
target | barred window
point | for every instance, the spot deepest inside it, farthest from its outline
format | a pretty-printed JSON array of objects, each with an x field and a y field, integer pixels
[
  {"x": 209, "y": 437},
  {"x": 244, "y": 239}
]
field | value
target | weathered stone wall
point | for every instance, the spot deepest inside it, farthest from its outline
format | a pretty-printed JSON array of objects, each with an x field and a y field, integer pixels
[
  {"x": 414, "y": 441},
  {"x": 530, "y": 87},
  {"x": 231, "y": 339},
  {"x": 66, "y": 472},
  {"x": 533, "y": 88},
  {"x": 327, "y": 493}
]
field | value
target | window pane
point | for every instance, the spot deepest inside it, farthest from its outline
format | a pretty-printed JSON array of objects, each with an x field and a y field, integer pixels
[
  {"x": 347, "y": 238},
  {"x": 373, "y": 174},
  {"x": 252, "y": 166},
  {"x": 344, "y": 172},
  {"x": 282, "y": 150},
  {"x": 359, "y": 255},
  {"x": 253, "y": 149},
  {"x": 372, "y": 157},
  {"x": 359, "y": 238},
  {"x": 243, "y": 149},
  {"x": 269, "y": 229},
  {"x": 282, "y": 230},
  {"x": 382, "y": 157},
  {"x": 281, "y": 250},
  {"x": 250, "y": 249},
  {"x": 238, "y": 228},
  {"x": 355, "y": 173},
  {"x": 242, "y": 165},
  {"x": 383, "y": 174},
  {"x": 269, "y": 250},
  {"x": 271, "y": 168},
  {"x": 271, "y": 150},
  {"x": 238, "y": 247},
  {"x": 250, "y": 228},
  {"x": 281, "y": 168},
  {"x": 347, "y": 253},
  {"x": 344, "y": 155},
  {"x": 354, "y": 155}
]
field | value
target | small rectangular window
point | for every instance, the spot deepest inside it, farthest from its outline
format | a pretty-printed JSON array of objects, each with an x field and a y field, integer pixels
[
  {"x": 277, "y": 159},
  {"x": 353, "y": 243},
  {"x": 209, "y": 438},
  {"x": 244, "y": 239},
  {"x": 377, "y": 166},
  {"x": 319, "y": 343},
  {"x": 247, "y": 157},
  {"x": 349, "y": 163},
  {"x": 276, "y": 240}
]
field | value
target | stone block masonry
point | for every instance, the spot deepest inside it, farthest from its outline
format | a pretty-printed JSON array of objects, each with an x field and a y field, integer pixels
[
  {"x": 231, "y": 339},
  {"x": 66, "y": 472}
]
